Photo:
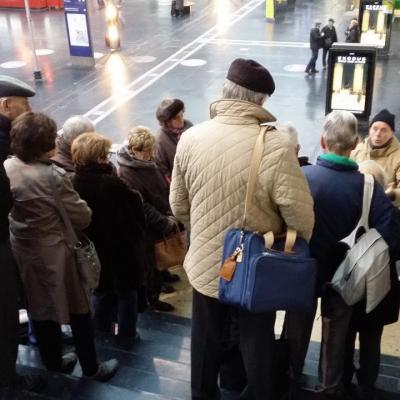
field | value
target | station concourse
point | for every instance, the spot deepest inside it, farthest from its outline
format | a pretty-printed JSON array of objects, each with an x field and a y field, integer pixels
[{"x": 183, "y": 57}]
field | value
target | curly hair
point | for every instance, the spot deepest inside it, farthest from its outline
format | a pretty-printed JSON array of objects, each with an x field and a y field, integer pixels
[
  {"x": 32, "y": 136},
  {"x": 140, "y": 138}
]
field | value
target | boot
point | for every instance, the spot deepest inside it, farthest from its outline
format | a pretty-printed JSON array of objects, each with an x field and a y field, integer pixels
[{"x": 106, "y": 371}]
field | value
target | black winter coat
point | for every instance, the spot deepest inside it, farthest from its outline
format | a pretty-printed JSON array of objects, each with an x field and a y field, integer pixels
[
  {"x": 315, "y": 39},
  {"x": 147, "y": 179},
  {"x": 5, "y": 128},
  {"x": 5, "y": 204},
  {"x": 330, "y": 36},
  {"x": 353, "y": 35},
  {"x": 117, "y": 227}
]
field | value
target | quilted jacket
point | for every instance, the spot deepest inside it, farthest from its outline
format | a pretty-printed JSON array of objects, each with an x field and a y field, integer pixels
[{"x": 209, "y": 184}]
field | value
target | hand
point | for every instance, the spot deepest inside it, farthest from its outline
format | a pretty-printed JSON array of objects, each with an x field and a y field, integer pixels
[{"x": 390, "y": 192}]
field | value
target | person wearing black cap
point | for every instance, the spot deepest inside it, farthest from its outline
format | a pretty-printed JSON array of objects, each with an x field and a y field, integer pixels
[
  {"x": 382, "y": 146},
  {"x": 13, "y": 102},
  {"x": 170, "y": 115},
  {"x": 208, "y": 195},
  {"x": 316, "y": 37},
  {"x": 329, "y": 38}
]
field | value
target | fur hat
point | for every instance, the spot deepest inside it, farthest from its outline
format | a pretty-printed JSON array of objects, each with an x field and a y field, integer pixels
[
  {"x": 168, "y": 109},
  {"x": 251, "y": 75},
  {"x": 386, "y": 117},
  {"x": 10, "y": 87}
]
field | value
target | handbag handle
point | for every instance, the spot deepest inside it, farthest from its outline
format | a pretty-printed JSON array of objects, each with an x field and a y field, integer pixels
[
  {"x": 61, "y": 209},
  {"x": 254, "y": 166},
  {"x": 291, "y": 236}
]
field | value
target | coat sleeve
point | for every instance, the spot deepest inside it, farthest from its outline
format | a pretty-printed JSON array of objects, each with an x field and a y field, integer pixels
[
  {"x": 179, "y": 194},
  {"x": 292, "y": 195},
  {"x": 76, "y": 208},
  {"x": 156, "y": 221},
  {"x": 162, "y": 160}
]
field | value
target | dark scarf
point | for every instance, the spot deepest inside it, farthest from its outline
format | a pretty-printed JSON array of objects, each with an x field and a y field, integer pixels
[{"x": 94, "y": 168}]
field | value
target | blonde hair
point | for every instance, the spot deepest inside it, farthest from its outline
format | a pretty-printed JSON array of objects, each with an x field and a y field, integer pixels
[
  {"x": 89, "y": 147},
  {"x": 373, "y": 168},
  {"x": 140, "y": 138}
]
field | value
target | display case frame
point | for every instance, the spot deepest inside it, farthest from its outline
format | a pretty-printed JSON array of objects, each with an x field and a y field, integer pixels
[
  {"x": 355, "y": 76},
  {"x": 376, "y": 12}
]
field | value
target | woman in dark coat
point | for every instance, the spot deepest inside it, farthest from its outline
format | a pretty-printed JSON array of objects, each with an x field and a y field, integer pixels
[
  {"x": 117, "y": 230},
  {"x": 170, "y": 115},
  {"x": 138, "y": 169}
]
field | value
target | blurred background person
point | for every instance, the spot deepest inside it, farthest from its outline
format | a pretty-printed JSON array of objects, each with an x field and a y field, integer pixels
[
  {"x": 46, "y": 262},
  {"x": 117, "y": 230},
  {"x": 329, "y": 38},
  {"x": 316, "y": 37},
  {"x": 352, "y": 33},
  {"x": 139, "y": 170}
]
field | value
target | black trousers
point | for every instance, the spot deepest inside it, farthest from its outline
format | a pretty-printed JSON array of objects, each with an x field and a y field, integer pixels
[
  {"x": 8, "y": 316},
  {"x": 370, "y": 355},
  {"x": 256, "y": 335},
  {"x": 324, "y": 55},
  {"x": 313, "y": 60},
  {"x": 49, "y": 338}
]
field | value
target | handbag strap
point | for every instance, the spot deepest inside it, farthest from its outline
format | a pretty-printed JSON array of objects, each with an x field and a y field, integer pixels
[
  {"x": 254, "y": 166},
  {"x": 61, "y": 209},
  {"x": 291, "y": 236}
]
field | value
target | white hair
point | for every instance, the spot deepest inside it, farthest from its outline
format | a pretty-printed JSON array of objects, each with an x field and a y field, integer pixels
[
  {"x": 75, "y": 126},
  {"x": 340, "y": 131},
  {"x": 371, "y": 167},
  {"x": 232, "y": 90}
]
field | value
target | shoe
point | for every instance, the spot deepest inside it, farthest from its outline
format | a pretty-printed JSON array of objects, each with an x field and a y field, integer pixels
[
  {"x": 29, "y": 383},
  {"x": 170, "y": 278},
  {"x": 106, "y": 371},
  {"x": 68, "y": 363},
  {"x": 162, "y": 306},
  {"x": 315, "y": 71},
  {"x": 167, "y": 289}
]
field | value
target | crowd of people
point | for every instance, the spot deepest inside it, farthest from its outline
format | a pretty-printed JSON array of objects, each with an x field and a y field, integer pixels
[{"x": 195, "y": 176}]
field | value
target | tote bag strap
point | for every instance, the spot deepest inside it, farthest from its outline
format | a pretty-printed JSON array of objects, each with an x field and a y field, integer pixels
[
  {"x": 72, "y": 237},
  {"x": 253, "y": 171}
]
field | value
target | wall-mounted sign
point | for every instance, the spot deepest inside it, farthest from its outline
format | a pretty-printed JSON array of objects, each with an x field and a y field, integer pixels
[{"x": 351, "y": 73}]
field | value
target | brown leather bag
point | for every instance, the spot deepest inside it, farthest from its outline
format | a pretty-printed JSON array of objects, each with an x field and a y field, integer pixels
[{"x": 171, "y": 250}]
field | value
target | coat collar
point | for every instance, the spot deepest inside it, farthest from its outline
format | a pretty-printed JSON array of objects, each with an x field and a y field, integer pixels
[
  {"x": 392, "y": 147},
  {"x": 239, "y": 112},
  {"x": 327, "y": 163}
]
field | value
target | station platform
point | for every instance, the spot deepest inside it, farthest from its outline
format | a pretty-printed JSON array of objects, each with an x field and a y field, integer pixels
[{"x": 186, "y": 58}]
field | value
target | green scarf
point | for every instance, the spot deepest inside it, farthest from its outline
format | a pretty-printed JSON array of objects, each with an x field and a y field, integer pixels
[{"x": 342, "y": 160}]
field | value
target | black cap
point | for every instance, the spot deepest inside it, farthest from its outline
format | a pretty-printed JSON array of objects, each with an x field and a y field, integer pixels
[
  {"x": 168, "y": 109},
  {"x": 251, "y": 75},
  {"x": 384, "y": 116},
  {"x": 10, "y": 87},
  {"x": 331, "y": 20}
]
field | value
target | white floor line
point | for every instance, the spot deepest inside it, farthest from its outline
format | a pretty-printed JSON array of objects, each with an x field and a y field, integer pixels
[{"x": 112, "y": 103}]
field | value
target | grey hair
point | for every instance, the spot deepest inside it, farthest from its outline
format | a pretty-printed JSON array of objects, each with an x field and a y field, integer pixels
[
  {"x": 232, "y": 90},
  {"x": 340, "y": 131},
  {"x": 373, "y": 168},
  {"x": 75, "y": 126},
  {"x": 291, "y": 131}
]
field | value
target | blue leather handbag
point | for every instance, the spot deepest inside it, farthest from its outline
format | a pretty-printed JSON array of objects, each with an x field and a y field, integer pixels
[{"x": 257, "y": 274}]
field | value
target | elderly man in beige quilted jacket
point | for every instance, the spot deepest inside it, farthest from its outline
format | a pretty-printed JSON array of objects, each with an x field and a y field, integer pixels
[{"x": 207, "y": 195}]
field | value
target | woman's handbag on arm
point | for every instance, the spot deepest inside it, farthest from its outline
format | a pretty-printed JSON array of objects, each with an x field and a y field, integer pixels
[
  {"x": 86, "y": 258},
  {"x": 260, "y": 274}
]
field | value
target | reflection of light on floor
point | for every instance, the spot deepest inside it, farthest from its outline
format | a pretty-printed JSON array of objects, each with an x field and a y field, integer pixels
[
  {"x": 373, "y": 39},
  {"x": 143, "y": 59},
  {"x": 223, "y": 15},
  {"x": 13, "y": 64},
  {"x": 295, "y": 67},
  {"x": 116, "y": 71},
  {"x": 344, "y": 100},
  {"x": 97, "y": 55},
  {"x": 193, "y": 62},
  {"x": 44, "y": 52}
]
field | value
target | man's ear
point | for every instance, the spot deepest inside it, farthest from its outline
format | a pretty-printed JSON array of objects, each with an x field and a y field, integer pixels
[
  {"x": 356, "y": 143},
  {"x": 323, "y": 143}
]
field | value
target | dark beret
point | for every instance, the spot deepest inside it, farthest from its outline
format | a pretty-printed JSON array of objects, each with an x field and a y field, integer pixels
[
  {"x": 10, "y": 87},
  {"x": 168, "y": 109},
  {"x": 385, "y": 116},
  {"x": 251, "y": 75}
]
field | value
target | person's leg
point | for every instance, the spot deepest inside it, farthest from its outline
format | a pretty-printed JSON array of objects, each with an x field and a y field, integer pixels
[
  {"x": 83, "y": 334},
  {"x": 309, "y": 65},
  {"x": 370, "y": 355},
  {"x": 324, "y": 55},
  {"x": 104, "y": 305},
  {"x": 8, "y": 316},
  {"x": 48, "y": 335},
  {"x": 349, "y": 368},
  {"x": 336, "y": 315},
  {"x": 297, "y": 330},
  {"x": 314, "y": 60},
  {"x": 127, "y": 314},
  {"x": 208, "y": 318},
  {"x": 257, "y": 341}
]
